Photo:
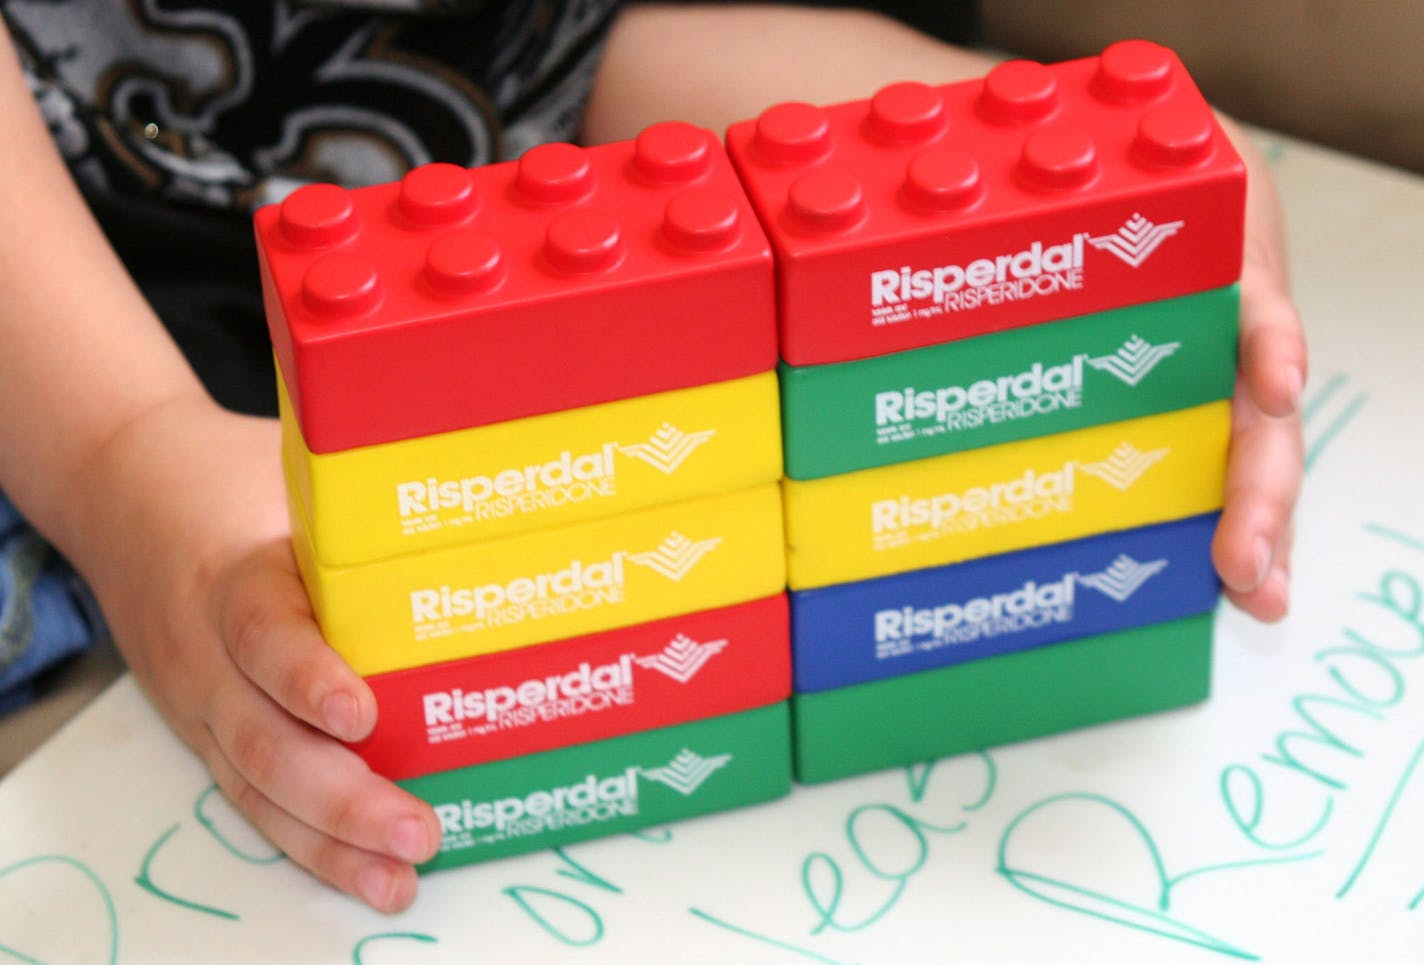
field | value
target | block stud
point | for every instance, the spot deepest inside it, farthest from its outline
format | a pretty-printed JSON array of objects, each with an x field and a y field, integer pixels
[
  {"x": 702, "y": 221},
  {"x": 908, "y": 113},
  {"x": 1018, "y": 92},
  {"x": 792, "y": 133},
  {"x": 826, "y": 201},
  {"x": 438, "y": 194},
  {"x": 582, "y": 242},
  {"x": 943, "y": 179},
  {"x": 554, "y": 174},
  {"x": 1174, "y": 137},
  {"x": 1058, "y": 159},
  {"x": 318, "y": 215},
  {"x": 1133, "y": 72},
  {"x": 673, "y": 152},
  {"x": 341, "y": 286},
  {"x": 464, "y": 263}
]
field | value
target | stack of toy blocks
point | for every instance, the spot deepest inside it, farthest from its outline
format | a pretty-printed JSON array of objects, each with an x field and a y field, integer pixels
[
  {"x": 531, "y": 436},
  {"x": 1008, "y": 321}
]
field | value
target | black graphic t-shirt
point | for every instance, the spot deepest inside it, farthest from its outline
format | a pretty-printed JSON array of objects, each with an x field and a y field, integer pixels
[{"x": 179, "y": 117}]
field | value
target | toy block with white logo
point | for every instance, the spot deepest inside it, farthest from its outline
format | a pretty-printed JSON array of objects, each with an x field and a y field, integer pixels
[
  {"x": 492, "y": 595},
  {"x": 571, "y": 277},
  {"x": 927, "y": 214},
  {"x": 998, "y": 700},
  {"x": 853, "y": 633},
  {"x": 565, "y": 467},
  {"x": 1018, "y": 384},
  {"x": 983, "y": 502},
  {"x": 610, "y": 787},
  {"x": 577, "y": 691}
]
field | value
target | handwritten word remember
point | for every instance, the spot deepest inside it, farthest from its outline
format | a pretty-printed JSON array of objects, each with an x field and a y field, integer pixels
[
  {"x": 1365, "y": 682},
  {"x": 1305, "y": 771}
]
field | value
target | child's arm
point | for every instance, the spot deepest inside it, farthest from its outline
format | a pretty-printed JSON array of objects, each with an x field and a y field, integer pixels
[
  {"x": 173, "y": 510},
  {"x": 714, "y": 65},
  {"x": 1253, "y": 541}
]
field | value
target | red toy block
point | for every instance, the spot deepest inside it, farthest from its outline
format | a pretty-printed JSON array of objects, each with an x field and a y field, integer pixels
[
  {"x": 579, "y": 690},
  {"x": 928, "y": 214},
  {"x": 570, "y": 277}
]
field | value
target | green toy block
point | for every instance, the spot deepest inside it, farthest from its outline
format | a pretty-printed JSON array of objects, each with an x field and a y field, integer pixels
[
  {"x": 608, "y": 787},
  {"x": 998, "y": 700},
  {"x": 1018, "y": 384}
]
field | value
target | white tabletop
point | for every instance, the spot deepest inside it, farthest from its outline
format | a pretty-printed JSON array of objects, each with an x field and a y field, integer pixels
[{"x": 1233, "y": 830}]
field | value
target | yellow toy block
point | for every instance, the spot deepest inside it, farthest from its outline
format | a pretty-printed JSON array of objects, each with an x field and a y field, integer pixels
[
  {"x": 491, "y": 481},
  {"x": 1001, "y": 498},
  {"x": 478, "y": 598}
]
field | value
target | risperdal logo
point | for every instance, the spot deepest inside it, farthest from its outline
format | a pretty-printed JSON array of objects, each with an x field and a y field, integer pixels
[
  {"x": 908, "y": 292},
  {"x": 1032, "y": 605},
  {"x": 914, "y": 412},
  {"x": 580, "y": 585},
  {"x": 565, "y": 478},
  {"x": 569, "y": 477},
  {"x": 1039, "y": 389},
  {"x": 1036, "y": 493},
  {"x": 593, "y": 799},
  {"x": 585, "y": 688},
  {"x": 904, "y": 630}
]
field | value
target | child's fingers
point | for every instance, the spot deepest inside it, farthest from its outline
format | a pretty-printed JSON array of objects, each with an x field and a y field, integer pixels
[
  {"x": 1253, "y": 540},
  {"x": 383, "y": 883},
  {"x": 1273, "y": 350},
  {"x": 265, "y": 622},
  {"x": 1271, "y": 599},
  {"x": 315, "y": 780}
]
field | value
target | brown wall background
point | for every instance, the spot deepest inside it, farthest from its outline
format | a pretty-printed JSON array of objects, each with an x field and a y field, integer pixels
[{"x": 1346, "y": 74}]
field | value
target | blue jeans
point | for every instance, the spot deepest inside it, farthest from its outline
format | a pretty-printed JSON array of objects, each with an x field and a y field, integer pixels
[{"x": 46, "y": 612}]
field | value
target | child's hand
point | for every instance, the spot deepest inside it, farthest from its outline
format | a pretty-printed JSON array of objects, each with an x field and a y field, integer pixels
[
  {"x": 1253, "y": 541},
  {"x": 198, "y": 582}
]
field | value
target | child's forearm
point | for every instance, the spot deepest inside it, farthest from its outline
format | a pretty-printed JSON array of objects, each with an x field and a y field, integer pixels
[
  {"x": 713, "y": 65},
  {"x": 83, "y": 354},
  {"x": 174, "y": 511}
]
